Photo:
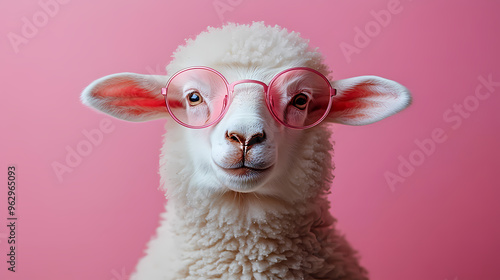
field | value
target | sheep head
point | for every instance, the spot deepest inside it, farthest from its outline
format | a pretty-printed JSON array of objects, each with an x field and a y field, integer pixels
[{"x": 250, "y": 149}]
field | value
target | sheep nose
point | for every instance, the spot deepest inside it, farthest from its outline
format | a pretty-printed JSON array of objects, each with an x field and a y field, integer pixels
[{"x": 245, "y": 141}]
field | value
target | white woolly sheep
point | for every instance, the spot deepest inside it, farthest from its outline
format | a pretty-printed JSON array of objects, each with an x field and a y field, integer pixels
[{"x": 247, "y": 194}]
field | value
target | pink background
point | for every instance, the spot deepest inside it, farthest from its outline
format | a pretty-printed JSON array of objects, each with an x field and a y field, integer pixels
[{"x": 439, "y": 222}]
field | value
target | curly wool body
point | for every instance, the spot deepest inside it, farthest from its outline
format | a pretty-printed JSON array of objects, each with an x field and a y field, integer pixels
[{"x": 207, "y": 235}]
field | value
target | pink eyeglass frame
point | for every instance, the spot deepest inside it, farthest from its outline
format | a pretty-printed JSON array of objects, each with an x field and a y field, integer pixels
[{"x": 230, "y": 92}]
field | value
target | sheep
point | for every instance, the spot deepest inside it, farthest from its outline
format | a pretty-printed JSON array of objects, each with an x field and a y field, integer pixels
[{"x": 247, "y": 185}]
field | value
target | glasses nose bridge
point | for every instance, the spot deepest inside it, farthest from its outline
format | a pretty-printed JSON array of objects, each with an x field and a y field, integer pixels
[{"x": 247, "y": 81}]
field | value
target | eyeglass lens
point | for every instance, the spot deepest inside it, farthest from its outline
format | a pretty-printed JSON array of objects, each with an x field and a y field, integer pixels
[{"x": 298, "y": 98}]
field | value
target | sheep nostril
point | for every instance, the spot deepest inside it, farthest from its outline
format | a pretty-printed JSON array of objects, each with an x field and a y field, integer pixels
[
  {"x": 235, "y": 137},
  {"x": 256, "y": 139}
]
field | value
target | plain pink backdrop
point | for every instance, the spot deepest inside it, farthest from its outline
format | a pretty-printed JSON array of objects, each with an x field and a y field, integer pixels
[{"x": 439, "y": 221}]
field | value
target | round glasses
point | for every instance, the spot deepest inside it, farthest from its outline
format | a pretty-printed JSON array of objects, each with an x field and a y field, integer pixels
[{"x": 198, "y": 97}]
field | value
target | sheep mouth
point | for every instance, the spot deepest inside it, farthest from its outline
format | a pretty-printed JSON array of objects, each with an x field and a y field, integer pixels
[
  {"x": 243, "y": 178},
  {"x": 246, "y": 171}
]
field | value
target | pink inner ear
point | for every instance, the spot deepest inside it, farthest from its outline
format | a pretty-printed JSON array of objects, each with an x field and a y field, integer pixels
[
  {"x": 118, "y": 88},
  {"x": 149, "y": 103},
  {"x": 341, "y": 105},
  {"x": 355, "y": 98},
  {"x": 132, "y": 96}
]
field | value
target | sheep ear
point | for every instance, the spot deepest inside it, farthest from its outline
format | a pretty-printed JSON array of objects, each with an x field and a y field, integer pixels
[
  {"x": 367, "y": 99},
  {"x": 127, "y": 96}
]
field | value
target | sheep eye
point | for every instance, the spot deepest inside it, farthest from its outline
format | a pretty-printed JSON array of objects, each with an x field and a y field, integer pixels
[
  {"x": 300, "y": 101},
  {"x": 194, "y": 98}
]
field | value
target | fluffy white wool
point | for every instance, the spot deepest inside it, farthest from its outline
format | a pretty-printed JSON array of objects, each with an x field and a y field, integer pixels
[
  {"x": 243, "y": 236},
  {"x": 254, "y": 47},
  {"x": 211, "y": 234}
]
